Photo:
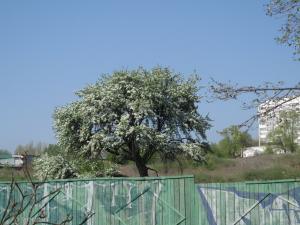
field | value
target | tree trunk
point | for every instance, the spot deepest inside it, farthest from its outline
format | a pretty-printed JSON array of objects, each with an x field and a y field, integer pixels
[{"x": 142, "y": 168}]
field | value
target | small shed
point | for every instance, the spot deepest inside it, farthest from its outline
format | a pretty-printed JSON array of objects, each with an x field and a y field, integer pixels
[{"x": 11, "y": 161}]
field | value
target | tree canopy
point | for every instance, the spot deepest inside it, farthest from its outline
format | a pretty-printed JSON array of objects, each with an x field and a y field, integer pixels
[
  {"x": 4, "y": 153},
  {"x": 233, "y": 142},
  {"x": 31, "y": 148},
  {"x": 285, "y": 134},
  {"x": 133, "y": 115}
]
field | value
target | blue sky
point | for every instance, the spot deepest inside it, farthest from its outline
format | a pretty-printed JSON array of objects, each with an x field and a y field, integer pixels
[{"x": 50, "y": 49}]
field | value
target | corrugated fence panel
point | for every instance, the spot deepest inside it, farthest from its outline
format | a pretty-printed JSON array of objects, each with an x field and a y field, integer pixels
[
  {"x": 115, "y": 201},
  {"x": 245, "y": 203},
  {"x": 159, "y": 201}
]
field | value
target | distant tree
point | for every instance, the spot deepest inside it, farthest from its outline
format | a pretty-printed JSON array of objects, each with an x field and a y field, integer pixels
[
  {"x": 233, "y": 142},
  {"x": 289, "y": 10},
  {"x": 4, "y": 152},
  {"x": 135, "y": 114},
  {"x": 218, "y": 151},
  {"x": 286, "y": 133},
  {"x": 31, "y": 148},
  {"x": 53, "y": 149}
]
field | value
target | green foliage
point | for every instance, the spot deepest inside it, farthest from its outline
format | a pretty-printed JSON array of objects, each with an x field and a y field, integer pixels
[
  {"x": 133, "y": 115},
  {"x": 53, "y": 149},
  {"x": 4, "y": 153},
  {"x": 234, "y": 140},
  {"x": 218, "y": 151},
  {"x": 273, "y": 173},
  {"x": 31, "y": 148},
  {"x": 269, "y": 149},
  {"x": 95, "y": 168},
  {"x": 213, "y": 162},
  {"x": 286, "y": 133}
]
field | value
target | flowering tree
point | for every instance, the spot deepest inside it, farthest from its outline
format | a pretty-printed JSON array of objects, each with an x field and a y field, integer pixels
[
  {"x": 133, "y": 115},
  {"x": 53, "y": 167},
  {"x": 61, "y": 166},
  {"x": 288, "y": 10}
]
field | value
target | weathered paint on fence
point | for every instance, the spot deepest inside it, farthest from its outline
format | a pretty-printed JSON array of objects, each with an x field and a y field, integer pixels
[
  {"x": 168, "y": 201},
  {"x": 255, "y": 203},
  {"x": 120, "y": 201}
]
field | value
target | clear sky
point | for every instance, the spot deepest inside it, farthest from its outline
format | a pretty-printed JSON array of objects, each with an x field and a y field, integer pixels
[{"x": 50, "y": 49}]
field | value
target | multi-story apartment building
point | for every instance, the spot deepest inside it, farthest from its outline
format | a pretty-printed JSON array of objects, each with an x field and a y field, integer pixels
[{"x": 269, "y": 116}]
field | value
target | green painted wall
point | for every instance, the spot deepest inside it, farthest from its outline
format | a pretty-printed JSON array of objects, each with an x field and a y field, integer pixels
[
  {"x": 255, "y": 203},
  {"x": 121, "y": 201}
]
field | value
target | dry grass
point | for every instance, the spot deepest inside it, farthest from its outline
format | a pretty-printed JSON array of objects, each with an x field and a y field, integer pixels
[
  {"x": 6, "y": 174},
  {"x": 263, "y": 167}
]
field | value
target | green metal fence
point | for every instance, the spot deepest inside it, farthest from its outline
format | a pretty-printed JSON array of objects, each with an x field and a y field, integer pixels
[
  {"x": 255, "y": 203},
  {"x": 120, "y": 201},
  {"x": 163, "y": 201}
]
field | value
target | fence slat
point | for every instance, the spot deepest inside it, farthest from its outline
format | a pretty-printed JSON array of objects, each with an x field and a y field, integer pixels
[
  {"x": 255, "y": 203},
  {"x": 115, "y": 201}
]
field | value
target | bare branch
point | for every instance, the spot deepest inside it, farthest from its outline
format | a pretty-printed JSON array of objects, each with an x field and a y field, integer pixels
[{"x": 261, "y": 94}]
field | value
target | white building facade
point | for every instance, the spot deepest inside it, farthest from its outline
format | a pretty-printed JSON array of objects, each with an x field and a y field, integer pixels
[{"x": 269, "y": 116}]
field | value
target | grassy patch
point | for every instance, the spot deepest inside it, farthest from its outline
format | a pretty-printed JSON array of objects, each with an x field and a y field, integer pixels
[
  {"x": 262, "y": 167},
  {"x": 276, "y": 172},
  {"x": 213, "y": 162},
  {"x": 6, "y": 174}
]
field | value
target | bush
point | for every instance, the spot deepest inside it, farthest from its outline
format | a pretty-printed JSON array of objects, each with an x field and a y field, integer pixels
[
  {"x": 269, "y": 150},
  {"x": 53, "y": 167},
  {"x": 59, "y": 167}
]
